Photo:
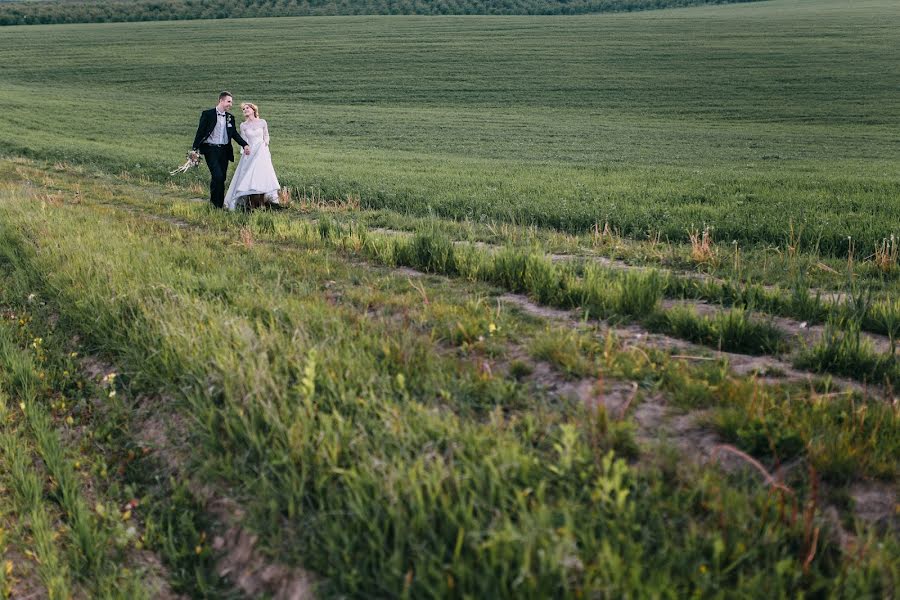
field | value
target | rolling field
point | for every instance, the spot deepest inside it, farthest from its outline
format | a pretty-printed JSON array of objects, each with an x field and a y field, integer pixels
[
  {"x": 739, "y": 117},
  {"x": 491, "y": 350}
]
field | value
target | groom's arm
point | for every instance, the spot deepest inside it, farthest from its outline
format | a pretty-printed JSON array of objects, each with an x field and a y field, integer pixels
[
  {"x": 198, "y": 137},
  {"x": 237, "y": 137}
]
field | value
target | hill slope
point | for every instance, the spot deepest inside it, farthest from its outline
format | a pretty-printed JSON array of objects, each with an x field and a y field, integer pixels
[{"x": 747, "y": 118}]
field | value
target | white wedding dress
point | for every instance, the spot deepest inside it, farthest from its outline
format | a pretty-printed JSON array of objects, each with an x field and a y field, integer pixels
[{"x": 255, "y": 173}]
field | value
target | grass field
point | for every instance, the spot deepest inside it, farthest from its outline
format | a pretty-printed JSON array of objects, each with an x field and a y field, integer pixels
[
  {"x": 480, "y": 355},
  {"x": 740, "y": 117},
  {"x": 402, "y": 437}
]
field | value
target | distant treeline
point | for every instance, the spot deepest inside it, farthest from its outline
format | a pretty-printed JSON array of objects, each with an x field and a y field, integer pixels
[{"x": 106, "y": 11}]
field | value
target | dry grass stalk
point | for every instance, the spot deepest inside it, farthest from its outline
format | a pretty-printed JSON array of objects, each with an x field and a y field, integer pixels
[
  {"x": 314, "y": 201},
  {"x": 691, "y": 357},
  {"x": 811, "y": 533},
  {"x": 887, "y": 254},
  {"x": 419, "y": 288},
  {"x": 823, "y": 267},
  {"x": 771, "y": 481},
  {"x": 284, "y": 196},
  {"x": 52, "y": 199},
  {"x": 702, "y": 249},
  {"x": 352, "y": 202},
  {"x": 850, "y": 251},
  {"x": 246, "y": 237},
  {"x": 793, "y": 243},
  {"x": 624, "y": 410},
  {"x": 310, "y": 200},
  {"x": 601, "y": 236},
  {"x": 814, "y": 544}
]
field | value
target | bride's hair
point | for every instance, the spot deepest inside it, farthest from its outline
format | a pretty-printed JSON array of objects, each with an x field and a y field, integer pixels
[{"x": 252, "y": 106}]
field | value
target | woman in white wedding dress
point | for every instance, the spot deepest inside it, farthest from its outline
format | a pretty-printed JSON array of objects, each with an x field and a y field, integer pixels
[{"x": 255, "y": 175}]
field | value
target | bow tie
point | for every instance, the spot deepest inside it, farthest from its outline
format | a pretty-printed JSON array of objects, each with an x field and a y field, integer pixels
[{"x": 218, "y": 114}]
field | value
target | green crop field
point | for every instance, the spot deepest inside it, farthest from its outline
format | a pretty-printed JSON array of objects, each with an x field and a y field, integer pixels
[
  {"x": 739, "y": 117},
  {"x": 593, "y": 306}
]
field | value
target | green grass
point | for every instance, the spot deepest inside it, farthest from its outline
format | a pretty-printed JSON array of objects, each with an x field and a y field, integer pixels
[
  {"x": 322, "y": 396},
  {"x": 731, "y": 331},
  {"x": 742, "y": 117},
  {"x": 28, "y": 503},
  {"x": 842, "y": 351},
  {"x": 600, "y": 293},
  {"x": 566, "y": 350},
  {"x": 413, "y": 434},
  {"x": 783, "y": 425},
  {"x": 596, "y": 291}
]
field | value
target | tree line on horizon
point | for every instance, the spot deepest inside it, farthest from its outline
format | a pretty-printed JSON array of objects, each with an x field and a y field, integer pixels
[{"x": 109, "y": 11}]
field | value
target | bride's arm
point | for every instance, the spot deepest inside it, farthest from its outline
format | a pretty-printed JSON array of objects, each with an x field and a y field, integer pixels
[
  {"x": 241, "y": 140},
  {"x": 266, "y": 132}
]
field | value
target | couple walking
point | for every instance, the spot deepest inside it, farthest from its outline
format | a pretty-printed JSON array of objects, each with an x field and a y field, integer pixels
[{"x": 254, "y": 182}]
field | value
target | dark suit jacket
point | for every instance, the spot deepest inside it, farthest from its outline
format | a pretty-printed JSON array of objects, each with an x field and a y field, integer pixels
[{"x": 206, "y": 126}]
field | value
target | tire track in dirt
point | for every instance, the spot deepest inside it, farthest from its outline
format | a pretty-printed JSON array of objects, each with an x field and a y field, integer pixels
[
  {"x": 240, "y": 561},
  {"x": 874, "y": 502},
  {"x": 634, "y": 335}
]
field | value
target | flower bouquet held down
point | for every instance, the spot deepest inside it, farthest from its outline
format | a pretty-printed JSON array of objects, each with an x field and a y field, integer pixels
[{"x": 193, "y": 159}]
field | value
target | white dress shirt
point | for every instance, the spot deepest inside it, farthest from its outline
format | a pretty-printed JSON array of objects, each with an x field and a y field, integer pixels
[{"x": 219, "y": 134}]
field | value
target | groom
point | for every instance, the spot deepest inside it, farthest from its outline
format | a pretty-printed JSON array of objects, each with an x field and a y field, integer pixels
[{"x": 213, "y": 140}]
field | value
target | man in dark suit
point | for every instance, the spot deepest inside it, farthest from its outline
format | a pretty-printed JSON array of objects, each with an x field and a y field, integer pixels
[{"x": 213, "y": 141}]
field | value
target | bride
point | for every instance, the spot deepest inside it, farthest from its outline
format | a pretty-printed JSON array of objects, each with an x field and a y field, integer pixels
[{"x": 254, "y": 177}]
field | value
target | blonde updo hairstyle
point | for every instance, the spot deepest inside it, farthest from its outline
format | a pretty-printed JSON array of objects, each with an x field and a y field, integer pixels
[{"x": 252, "y": 106}]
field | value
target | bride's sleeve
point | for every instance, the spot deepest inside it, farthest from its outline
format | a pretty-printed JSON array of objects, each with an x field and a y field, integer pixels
[{"x": 266, "y": 133}]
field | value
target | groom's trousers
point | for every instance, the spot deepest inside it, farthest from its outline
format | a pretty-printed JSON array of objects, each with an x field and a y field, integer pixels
[{"x": 217, "y": 161}]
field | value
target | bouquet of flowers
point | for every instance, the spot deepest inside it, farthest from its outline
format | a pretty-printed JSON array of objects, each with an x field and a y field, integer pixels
[{"x": 193, "y": 159}]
